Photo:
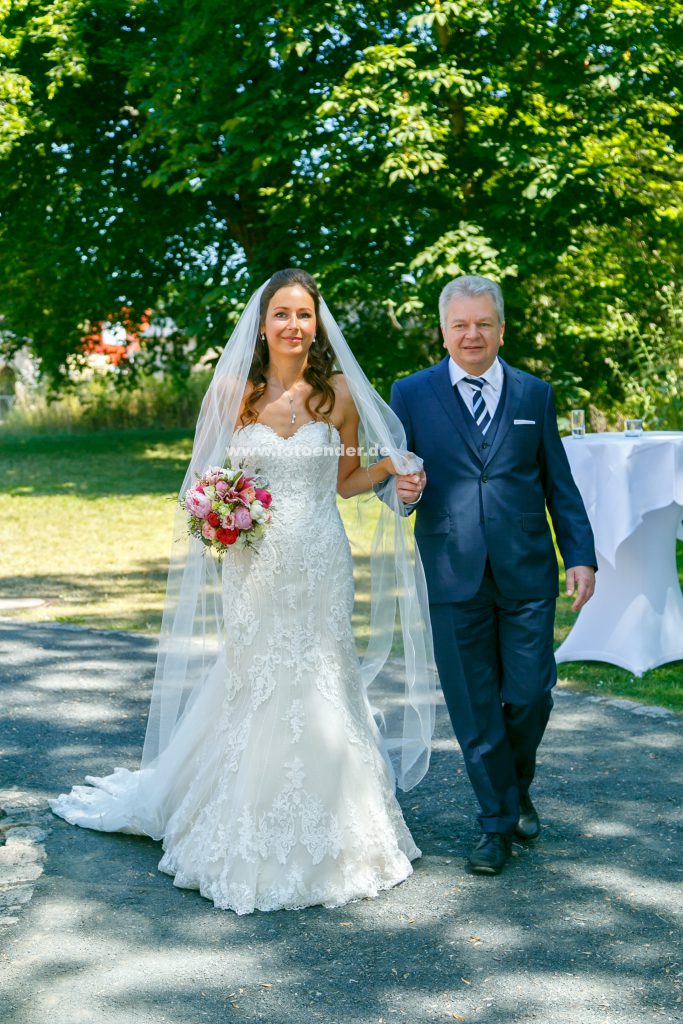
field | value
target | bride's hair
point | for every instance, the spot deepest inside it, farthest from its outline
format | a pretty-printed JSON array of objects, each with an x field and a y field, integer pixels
[{"x": 320, "y": 365}]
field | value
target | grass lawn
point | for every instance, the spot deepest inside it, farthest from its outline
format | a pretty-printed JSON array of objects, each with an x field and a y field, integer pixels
[{"x": 85, "y": 526}]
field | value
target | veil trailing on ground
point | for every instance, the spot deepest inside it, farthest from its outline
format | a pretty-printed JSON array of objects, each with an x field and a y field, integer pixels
[{"x": 396, "y": 628}]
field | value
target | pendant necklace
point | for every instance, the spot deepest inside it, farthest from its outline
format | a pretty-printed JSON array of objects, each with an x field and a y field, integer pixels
[{"x": 287, "y": 395}]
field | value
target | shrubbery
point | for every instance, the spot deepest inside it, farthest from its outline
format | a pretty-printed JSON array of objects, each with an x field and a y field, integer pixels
[{"x": 100, "y": 401}]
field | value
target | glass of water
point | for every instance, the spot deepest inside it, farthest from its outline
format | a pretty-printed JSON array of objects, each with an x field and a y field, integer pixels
[
  {"x": 634, "y": 428},
  {"x": 578, "y": 421}
]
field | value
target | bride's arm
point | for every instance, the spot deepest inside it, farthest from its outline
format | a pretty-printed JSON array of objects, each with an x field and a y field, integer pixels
[{"x": 352, "y": 477}]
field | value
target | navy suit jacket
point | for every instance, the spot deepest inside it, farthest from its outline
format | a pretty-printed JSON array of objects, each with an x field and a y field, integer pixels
[{"x": 492, "y": 501}]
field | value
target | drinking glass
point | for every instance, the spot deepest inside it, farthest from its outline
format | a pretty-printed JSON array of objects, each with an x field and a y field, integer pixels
[
  {"x": 634, "y": 428},
  {"x": 578, "y": 421}
]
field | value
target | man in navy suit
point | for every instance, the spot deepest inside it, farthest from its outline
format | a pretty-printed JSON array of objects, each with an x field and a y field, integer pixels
[{"x": 494, "y": 463}]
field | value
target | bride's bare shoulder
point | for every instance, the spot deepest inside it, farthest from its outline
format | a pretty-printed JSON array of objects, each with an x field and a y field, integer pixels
[
  {"x": 345, "y": 407},
  {"x": 248, "y": 388},
  {"x": 228, "y": 387},
  {"x": 339, "y": 383}
]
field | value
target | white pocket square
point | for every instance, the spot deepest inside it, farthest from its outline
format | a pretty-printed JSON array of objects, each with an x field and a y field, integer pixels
[{"x": 522, "y": 423}]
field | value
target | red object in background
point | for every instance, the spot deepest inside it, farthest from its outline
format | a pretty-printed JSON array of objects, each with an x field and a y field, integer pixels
[{"x": 118, "y": 337}]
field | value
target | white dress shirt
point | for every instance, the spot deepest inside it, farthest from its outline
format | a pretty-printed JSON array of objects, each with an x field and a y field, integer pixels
[{"x": 491, "y": 391}]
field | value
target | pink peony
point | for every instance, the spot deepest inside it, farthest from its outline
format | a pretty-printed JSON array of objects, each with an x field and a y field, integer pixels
[
  {"x": 228, "y": 522},
  {"x": 265, "y": 497},
  {"x": 242, "y": 519},
  {"x": 222, "y": 488},
  {"x": 197, "y": 503},
  {"x": 208, "y": 531}
]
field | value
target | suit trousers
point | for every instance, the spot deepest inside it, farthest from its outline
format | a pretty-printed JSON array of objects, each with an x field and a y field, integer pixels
[{"x": 497, "y": 669}]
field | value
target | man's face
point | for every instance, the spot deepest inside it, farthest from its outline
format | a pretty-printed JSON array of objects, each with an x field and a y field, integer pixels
[{"x": 472, "y": 333}]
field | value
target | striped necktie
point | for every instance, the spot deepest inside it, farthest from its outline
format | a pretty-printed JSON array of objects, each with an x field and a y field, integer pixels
[{"x": 479, "y": 410}]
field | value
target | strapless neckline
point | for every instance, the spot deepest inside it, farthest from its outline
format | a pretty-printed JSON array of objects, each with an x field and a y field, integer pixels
[{"x": 289, "y": 437}]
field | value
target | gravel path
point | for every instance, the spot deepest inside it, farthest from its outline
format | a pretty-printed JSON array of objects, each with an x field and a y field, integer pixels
[{"x": 583, "y": 928}]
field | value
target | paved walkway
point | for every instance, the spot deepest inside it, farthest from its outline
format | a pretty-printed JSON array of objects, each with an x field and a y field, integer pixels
[{"x": 584, "y": 928}]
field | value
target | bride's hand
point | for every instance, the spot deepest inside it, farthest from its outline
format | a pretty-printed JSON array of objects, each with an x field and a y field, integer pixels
[{"x": 410, "y": 486}]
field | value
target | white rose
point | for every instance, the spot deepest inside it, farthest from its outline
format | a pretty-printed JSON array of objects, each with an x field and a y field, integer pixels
[{"x": 258, "y": 512}]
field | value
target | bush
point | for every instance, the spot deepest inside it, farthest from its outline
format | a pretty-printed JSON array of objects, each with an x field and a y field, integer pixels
[
  {"x": 100, "y": 401},
  {"x": 647, "y": 364}
]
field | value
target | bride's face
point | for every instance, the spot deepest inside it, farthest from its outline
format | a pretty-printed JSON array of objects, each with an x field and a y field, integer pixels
[{"x": 290, "y": 322}]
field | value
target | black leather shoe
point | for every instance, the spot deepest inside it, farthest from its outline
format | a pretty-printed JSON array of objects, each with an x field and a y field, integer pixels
[
  {"x": 528, "y": 827},
  {"x": 490, "y": 854}
]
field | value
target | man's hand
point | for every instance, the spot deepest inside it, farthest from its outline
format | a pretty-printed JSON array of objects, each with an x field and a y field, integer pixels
[
  {"x": 410, "y": 487},
  {"x": 580, "y": 578}
]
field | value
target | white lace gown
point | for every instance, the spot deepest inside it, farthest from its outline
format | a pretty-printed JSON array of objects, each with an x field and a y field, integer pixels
[{"x": 273, "y": 793}]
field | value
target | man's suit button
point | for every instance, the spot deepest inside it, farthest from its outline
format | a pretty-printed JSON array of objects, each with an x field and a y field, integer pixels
[{"x": 484, "y": 478}]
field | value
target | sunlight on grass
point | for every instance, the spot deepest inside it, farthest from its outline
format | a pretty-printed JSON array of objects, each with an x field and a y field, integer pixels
[
  {"x": 86, "y": 526},
  {"x": 662, "y": 686},
  {"x": 98, "y": 562}
]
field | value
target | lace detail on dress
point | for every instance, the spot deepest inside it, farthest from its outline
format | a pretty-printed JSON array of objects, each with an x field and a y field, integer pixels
[
  {"x": 274, "y": 792},
  {"x": 296, "y": 719}
]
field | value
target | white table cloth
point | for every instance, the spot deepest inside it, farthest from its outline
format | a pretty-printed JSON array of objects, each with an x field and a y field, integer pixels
[{"x": 633, "y": 491}]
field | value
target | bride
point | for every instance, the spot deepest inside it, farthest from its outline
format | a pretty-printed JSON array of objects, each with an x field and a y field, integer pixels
[{"x": 266, "y": 772}]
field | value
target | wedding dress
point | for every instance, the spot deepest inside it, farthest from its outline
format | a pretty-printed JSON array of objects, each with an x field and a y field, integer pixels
[{"x": 273, "y": 791}]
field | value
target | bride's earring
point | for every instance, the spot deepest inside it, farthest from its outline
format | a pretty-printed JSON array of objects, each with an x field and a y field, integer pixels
[
  {"x": 314, "y": 340},
  {"x": 261, "y": 337}
]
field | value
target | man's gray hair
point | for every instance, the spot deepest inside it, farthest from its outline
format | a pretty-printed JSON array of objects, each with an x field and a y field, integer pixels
[{"x": 471, "y": 286}]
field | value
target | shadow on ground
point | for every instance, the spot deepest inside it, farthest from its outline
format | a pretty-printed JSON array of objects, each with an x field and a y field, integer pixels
[{"x": 583, "y": 927}]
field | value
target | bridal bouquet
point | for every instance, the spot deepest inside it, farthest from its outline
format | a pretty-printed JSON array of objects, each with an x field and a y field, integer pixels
[{"x": 226, "y": 507}]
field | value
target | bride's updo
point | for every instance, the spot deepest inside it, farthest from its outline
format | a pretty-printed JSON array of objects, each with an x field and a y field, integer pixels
[{"x": 320, "y": 364}]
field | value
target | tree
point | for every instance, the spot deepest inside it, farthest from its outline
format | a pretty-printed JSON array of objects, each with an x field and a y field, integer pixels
[
  {"x": 534, "y": 142},
  {"x": 384, "y": 146}
]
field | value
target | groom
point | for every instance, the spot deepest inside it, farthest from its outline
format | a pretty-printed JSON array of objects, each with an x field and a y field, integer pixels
[{"x": 494, "y": 462}]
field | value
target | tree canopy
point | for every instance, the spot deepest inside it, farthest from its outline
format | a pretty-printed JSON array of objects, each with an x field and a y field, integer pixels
[{"x": 171, "y": 155}]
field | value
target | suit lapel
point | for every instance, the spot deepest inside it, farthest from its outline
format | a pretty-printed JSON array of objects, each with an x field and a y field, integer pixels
[
  {"x": 441, "y": 383},
  {"x": 514, "y": 383}
]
